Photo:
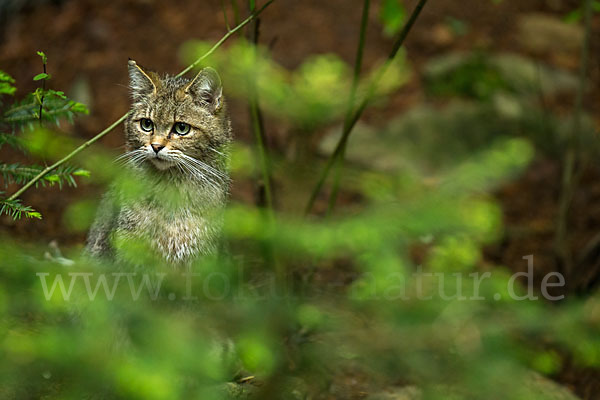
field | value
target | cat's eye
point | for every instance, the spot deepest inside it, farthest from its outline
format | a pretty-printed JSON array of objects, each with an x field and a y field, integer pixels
[
  {"x": 181, "y": 128},
  {"x": 146, "y": 125}
]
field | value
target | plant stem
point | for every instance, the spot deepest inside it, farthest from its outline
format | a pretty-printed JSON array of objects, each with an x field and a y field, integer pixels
[
  {"x": 570, "y": 176},
  {"x": 257, "y": 127},
  {"x": 225, "y": 15},
  {"x": 256, "y": 121},
  {"x": 236, "y": 11},
  {"x": 46, "y": 170},
  {"x": 66, "y": 158},
  {"x": 43, "y": 92},
  {"x": 225, "y": 37},
  {"x": 265, "y": 196},
  {"x": 339, "y": 149},
  {"x": 355, "y": 78}
]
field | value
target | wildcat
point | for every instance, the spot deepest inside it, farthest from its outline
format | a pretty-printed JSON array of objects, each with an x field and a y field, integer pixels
[{"x": 177, "y": 136}]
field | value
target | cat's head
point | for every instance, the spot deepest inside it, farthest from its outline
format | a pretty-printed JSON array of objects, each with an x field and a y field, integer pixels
[{"x": 175, "y": 122}]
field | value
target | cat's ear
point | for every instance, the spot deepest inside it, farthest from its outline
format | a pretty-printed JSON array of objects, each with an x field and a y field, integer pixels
[
  {"x": 206, "y": 87},
  {"x": 141, "y": 83}
]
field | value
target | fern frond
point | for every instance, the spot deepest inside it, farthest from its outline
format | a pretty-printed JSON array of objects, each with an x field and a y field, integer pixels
[
  {"x": 36, "y": 107},
  {"x": 16, "y": 210},
  {"x": 65, "y": 174},
  {"x": 11, "y": 140},
  {"x": 19, "y": 174},
  {"x": 56, "y": 106}
]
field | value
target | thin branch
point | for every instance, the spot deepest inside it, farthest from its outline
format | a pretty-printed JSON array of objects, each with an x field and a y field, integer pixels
[
  {"x": 225, "y": 15},
  {"x": 224, "y": 38},
  {"x": 257, "y": 127},
  {"x": 43, "y": 92},
  {"x": 570, "y": 177},
  {"x": 85, "y": 145},
  {"x": 355, "y": 78},
  {"x": 236, "y": 11},
  {"x": 256, "y": 119},
  {"x": 63, "y": 160},
  {"x": 339, "y": 149},
  {"x": 265, "y": 197}
]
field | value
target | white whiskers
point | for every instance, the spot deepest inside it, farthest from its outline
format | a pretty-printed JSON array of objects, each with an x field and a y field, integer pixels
[
  {"x": 217, "y": 151},
  {"x": 201, "y": 170},
  {"x": 185, "y": 164},
  {"x": 221, "y": 176},
  {"x": 133, "y": 158}
]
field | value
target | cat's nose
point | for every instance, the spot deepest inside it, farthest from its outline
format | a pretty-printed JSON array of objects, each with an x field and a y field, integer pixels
[{"x": 157, "y": 147}]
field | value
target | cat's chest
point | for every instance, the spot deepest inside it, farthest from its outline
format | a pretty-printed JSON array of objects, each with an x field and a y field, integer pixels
[{"x": 176, "y": 235}]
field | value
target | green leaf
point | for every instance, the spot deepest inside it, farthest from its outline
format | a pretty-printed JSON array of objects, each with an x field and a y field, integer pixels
[
  {"x": 43, "y": 55},
  {"x": 6, "y": 88},
  {"x": 57, "y": 93},
  {"x": 4, "y": 77},
  {"x": 79, "y": 108},
  {"x": 52, "y": 178},
  {"x": 392, "y": 16},
  {"x": 6, "y": 82},
  {"x": 41, "y": 76},
  {"x": 81, "y": 172}
]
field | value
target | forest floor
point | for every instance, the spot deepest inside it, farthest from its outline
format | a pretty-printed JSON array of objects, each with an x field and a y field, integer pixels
[{"x": 88, "y": 43}]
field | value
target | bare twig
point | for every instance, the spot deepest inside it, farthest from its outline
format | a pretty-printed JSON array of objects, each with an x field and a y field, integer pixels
[
  {"x": 236, "y": 11},
  {"x": 355, "y": 78},
  {"x": 572, "y": 157},
  {"x": 257, "y": 123},
  {"x": 225, "y": 37},
  {"x": 225, "y": 15},
  {"x": 43, "y": 91},
  {"x": 339, "y": 149},
  {"x": 66, "y": 158},
  {"x": 85, "y": 145}
]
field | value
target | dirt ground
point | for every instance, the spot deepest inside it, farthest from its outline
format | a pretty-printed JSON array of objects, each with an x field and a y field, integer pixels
[{"x": 90, "y": 41}]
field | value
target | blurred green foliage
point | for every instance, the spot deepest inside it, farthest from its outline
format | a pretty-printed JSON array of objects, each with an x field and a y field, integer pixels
[
  {"x": 163, "y": 345},
  {"x": 392, "y": 16},
  {"x": 174, "y": 336},
  {"x": 576, "y": 15},
  {"x": 457, "y": 26},
  {"x": 491, "y": 95},
  {"x": 313, "y": 95},
  {"x": 390, "y": 291},
  {"x": 474, "y": 78}
]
